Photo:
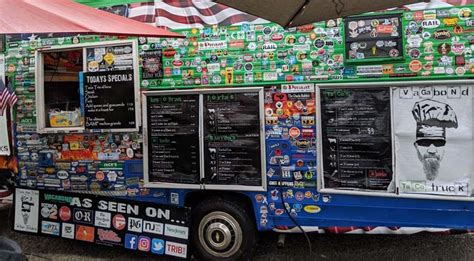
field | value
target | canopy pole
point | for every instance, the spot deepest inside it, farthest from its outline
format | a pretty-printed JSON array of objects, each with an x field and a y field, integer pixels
[{"x": 300, "y": 10}]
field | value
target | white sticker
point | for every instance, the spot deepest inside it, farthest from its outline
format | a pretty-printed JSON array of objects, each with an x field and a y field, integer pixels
[
  {"x": 68, "y": 230},
  {"x": 26, "y": 210},
  {"x": 176, "y": 249},
  {"x": 152, "y": 227},
  {"x": 102, "y": 219},
  {"x": 176, "y": 231}
]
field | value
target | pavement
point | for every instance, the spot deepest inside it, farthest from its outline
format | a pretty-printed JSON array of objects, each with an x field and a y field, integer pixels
[{"x": 324, "y": 247}]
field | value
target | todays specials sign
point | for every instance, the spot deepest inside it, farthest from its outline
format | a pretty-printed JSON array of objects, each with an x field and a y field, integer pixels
[{"x": 147, "y": 227}]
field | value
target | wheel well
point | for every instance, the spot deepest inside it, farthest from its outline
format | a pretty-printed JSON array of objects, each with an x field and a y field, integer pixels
[{"x": 194, "y": 198}]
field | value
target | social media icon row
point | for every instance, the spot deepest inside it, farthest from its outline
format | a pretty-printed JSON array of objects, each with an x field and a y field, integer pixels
[{"x": 144, "y": 243}]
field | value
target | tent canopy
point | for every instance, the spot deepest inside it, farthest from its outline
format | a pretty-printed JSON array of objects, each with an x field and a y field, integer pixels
[
  {"x": 300, "y": 12},
  {"x": 67, "y": 16}
]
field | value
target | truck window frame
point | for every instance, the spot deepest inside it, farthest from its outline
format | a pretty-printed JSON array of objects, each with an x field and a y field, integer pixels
[
  {"x": 41, "y": 126},
  {"x": 395, "y": 194},
  {"x": 201, "y": 93}
]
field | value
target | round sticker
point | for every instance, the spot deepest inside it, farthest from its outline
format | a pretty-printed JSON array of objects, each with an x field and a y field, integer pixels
[
  {"x": 100, "y": 176},
  {"x": 267, "y": 30},
  {"x": 354, "y": 46},
  {"x": 460, "y": 71},
  {"x": 374, "y": 23},
  {"x": 119, "y": 222},
  {"x": 248, "y": 67},
  {"x": 130, "y": 153},
  {"x": 444, "y": 48},
  {"x": 465, "y": 13},
  {"x": 64, "y": 213},
  {"x": 394, "y": 53},
  {"x": 352, "y": 25},
  {"x": 414, "y": 53},
  {"x": 290, "y": 40},
  {"x": 415, "y": 66},
  {"x": 294, "y": 132},
  {"x": 268, "y": 112},
  {"x": 319, "y": 43}
]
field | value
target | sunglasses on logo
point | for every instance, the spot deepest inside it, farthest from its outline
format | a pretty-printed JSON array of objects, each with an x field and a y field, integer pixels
[{"x": 427, "y": 143}]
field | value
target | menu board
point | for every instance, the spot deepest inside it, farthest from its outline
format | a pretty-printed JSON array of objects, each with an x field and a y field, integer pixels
[
  {"x": 173, "y": 138},
  {"x": 232, "y": 150},
  {"x": 356, "y": 138},
  {"x": 144, "y": 227},
  {"x": 152, "y": 67},
  {"x": 109, "y": 100},
  {"x": 373, "y": 37}
]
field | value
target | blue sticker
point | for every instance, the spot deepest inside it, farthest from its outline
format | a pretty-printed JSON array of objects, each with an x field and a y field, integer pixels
[{"x": 131, "y": 241}]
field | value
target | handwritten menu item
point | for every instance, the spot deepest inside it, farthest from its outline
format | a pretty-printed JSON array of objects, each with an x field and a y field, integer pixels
[
  {"x": 372, "y": 37},
  {"x": 109, "y": 100},
  {"x": 173, "y": 136},
  {"x": 356, "y": 138},
  {"x": 232, "y": 150},
  {"x": 152, "y": 65}
]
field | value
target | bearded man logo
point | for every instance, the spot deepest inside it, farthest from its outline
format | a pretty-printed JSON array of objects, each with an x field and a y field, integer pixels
[{"x": 432, "y": 118}]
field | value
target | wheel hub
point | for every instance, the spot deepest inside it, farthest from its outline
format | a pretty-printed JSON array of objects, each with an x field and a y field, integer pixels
[{"x": 220, "y": 234}]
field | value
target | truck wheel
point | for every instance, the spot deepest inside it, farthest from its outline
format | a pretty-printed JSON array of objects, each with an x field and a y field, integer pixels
[{"x": 222, "y": 230}]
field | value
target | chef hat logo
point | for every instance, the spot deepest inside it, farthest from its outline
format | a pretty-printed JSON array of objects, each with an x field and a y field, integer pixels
[{"x": 432, "y": 118}]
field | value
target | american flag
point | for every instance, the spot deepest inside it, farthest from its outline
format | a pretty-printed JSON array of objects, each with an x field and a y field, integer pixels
[
  {"x": 7, "y": 97},
  {"x": 185, "y": 14}
]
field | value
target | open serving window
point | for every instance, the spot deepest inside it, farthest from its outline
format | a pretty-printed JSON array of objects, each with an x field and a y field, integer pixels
[
  {"x": 405, "y": 139},
  {"x": 210, "y": 139},
  {"x": 88, "y": 87}
]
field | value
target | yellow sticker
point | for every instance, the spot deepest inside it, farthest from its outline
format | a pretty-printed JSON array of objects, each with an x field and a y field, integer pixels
[
  {"x": 109, "y": 58},
  {"x": 229, "y": 75},
  {"x": 312, "y": 209},
  {"x": 74, "y": 145}
]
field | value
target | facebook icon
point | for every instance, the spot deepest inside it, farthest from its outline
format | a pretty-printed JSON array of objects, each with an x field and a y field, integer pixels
[{"x": 131, "y": 241}]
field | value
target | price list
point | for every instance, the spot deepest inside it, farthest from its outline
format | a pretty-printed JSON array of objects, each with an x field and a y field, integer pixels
[
  {"x": 173, "y": 136},
  {"x": 109, "y": 100},
  {"x": 232, "y": 150},
  {"x": 356, "y": 138}
]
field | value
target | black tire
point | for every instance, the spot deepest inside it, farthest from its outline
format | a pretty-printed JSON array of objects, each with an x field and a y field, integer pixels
[{"x": 206, "y": 217}]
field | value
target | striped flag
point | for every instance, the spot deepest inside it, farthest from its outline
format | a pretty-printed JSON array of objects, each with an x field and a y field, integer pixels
[
  {"x": 13, "y": 98},
  {"x": 183, "y": 14},
  {"x": 4, "y": 97},
  {"x": 186, "y": 14}
]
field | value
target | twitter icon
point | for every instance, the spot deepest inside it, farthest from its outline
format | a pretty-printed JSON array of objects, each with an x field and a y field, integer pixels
[{"x": 158, "y": 246}]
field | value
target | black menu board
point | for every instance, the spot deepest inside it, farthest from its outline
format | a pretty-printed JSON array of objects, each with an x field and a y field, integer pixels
[
  {"x": 109, "y": 100},
  {"x": 373, "y": 37},
  {"x": 232, "y": 150},
  {"x": 152, "y": 67},
  {"x": 356, "y": 138},
  {"x": 173, "y": 138}
]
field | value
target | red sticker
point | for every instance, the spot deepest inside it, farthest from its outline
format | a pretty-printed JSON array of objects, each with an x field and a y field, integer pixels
[{"x": 415, "y": 66}]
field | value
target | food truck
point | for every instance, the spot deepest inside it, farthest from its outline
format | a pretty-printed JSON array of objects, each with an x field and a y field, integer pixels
[{"x": 172, "y": 146}]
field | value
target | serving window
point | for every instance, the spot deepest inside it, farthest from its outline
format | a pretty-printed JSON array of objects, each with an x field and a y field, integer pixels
[{"x": 89, "y": 87}]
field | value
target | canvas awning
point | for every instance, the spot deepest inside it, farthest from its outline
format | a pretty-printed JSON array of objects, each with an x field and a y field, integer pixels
[
  {"x": 67, "y": 16},
  {"x": 300, "y": 12}
]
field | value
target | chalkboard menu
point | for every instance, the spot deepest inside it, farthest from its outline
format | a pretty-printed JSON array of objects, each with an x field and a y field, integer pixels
[
  {"x": 356, "y": 138},
  {"x": 152, "y": 67},
  {"x": 373, "y": 37},
  {"x": 232, "y": 150},
  {"x": 173, "y": 138},
  {"x": 109, "y": 100}
]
